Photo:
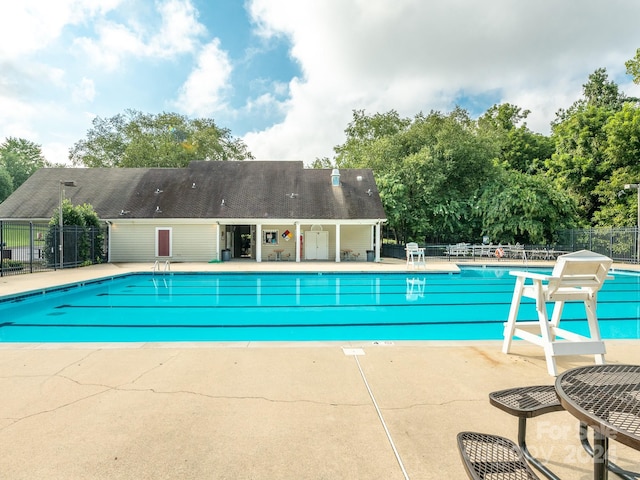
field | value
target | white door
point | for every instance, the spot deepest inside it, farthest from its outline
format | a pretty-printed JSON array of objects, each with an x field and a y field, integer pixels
[{"x": 316, "y": 245}]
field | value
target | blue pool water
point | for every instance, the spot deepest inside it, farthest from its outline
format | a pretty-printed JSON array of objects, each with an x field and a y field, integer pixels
[{"x": 471, "y": 305}]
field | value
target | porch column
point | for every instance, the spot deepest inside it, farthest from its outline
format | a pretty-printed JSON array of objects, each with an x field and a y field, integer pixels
[
  {"x": 377, "y": 259},
  {"x": 337, "y": 242},
  {"x": 259, "y": 242},
  {"x": 298, "y": 236},
  {"x": 218, "y": 233}
]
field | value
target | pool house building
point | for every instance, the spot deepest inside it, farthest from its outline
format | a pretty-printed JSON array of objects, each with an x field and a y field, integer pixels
[{"x": 216, "y": 211}]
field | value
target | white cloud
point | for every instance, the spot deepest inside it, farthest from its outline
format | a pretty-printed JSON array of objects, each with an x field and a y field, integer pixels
[
  {"x": 416, "y": 55},
  {"x": 114, "y": 42},
  {"x": 30, "y": 25},
  {"x": 16, "y": 116},
  {"x": 56, "y": 153},
  {"x": 201, "y": 94},
  {"x": 85, "y": 91},
  {"x": 179, "y": 30},
  {"x": 177, "y": 33}
]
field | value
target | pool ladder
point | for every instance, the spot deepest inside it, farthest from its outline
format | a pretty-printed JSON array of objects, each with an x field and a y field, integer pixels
[{"x": 156, "y": 267}]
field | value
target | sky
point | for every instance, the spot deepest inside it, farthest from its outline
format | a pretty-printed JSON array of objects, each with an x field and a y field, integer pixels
[{"x": 286, "y": 75}]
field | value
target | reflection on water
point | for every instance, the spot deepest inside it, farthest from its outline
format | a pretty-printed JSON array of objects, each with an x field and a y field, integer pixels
[{"x": 415, "y": 288}]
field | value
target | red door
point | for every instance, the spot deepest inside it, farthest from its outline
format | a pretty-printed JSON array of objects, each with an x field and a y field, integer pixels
[{"x": 164, "y": 243}]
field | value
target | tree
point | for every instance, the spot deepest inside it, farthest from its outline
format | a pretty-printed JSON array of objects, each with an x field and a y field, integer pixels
[
  {"x": 20, "y": 158},
  {"x": 362, "y": 133},
  {"x": 135, "y": 139},
  {"x": 600, "y": 92},
  {"x": 579, "y": 163},
  {"x": 622, "y": 154},
  {"x": 518, "y": 147},
  {"x": 516, "y": 207},
  {"x": 428, "y": 169},
  {"x": 633, "y": 67},
  {"x": 6, "y": 184},
  {"x": 89, "y": 238},
  {"x": 324, "y": 162}
]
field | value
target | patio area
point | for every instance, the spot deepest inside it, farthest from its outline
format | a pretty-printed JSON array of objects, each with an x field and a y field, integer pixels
[{"x": 366, "y": 410}]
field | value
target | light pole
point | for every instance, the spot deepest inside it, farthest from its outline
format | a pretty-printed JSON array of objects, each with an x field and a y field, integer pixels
[
  {"x": 636, "y": 186},
  {"x": 63, "y": 184}
]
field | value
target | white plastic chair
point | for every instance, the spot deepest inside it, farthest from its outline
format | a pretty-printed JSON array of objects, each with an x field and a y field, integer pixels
[{"x": 576, "y": 276}]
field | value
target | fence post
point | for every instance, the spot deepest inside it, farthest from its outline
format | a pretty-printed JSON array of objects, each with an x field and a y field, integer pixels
[
  {"x": 31, "y": 247},
  {"x": 1, "y": 248}
]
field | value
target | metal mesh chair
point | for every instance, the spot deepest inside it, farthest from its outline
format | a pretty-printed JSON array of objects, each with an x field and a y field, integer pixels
[{"x": 492, "y": 457}]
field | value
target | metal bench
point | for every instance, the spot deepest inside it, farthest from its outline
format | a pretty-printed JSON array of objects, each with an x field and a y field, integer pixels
[
  {"x": 486, "y": 456},
  {"x": 535, "y": 400},
  {"x": 528, "y": 402}
]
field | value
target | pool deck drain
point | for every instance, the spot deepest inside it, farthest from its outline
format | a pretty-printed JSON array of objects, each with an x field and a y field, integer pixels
[{"x": 353, "y": 351}]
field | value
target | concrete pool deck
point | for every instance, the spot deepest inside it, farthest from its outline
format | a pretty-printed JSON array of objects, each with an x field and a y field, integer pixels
[{"x": 366, "y": 410}]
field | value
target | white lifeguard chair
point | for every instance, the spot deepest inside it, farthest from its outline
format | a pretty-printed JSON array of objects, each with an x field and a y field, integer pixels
[
  {"x": 576, "y": 276},
  {"x": 415, "y": 255}
]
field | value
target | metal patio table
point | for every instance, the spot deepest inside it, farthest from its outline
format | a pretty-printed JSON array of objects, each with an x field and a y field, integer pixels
[{"x": 606, "y": 398}]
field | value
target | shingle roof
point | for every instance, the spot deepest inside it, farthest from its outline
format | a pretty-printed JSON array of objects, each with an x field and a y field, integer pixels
[{"x": 250, "y": 189}]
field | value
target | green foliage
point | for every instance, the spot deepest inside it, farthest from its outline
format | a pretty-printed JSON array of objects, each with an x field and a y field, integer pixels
[
  {"x": 6, "y": 184},
  {"x": 324, "y": 162},
  {"x": 444, "y": 177},
  {"x": 8, "y": 264},
  {"x": 517, "y": 147},
  {"x": 599, "y": 91},
  {"x": 88, "y": 227},
  {"x": 20, "y": 158},
  {"x": 633, "y": 67},
  {"x": 619, "y": 206},
  {"x": 597, "y": 151},
  {"x": 516, "y": 207},
  {"x": 135, "y": 139},
  {"x": 579, "y": 163},
  {"x": 623, "y": 138},
  {"x": 427, "y": 169}
]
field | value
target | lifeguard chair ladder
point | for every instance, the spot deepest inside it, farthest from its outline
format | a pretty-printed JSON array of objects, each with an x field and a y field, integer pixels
[{"x": 576, "y": 276}]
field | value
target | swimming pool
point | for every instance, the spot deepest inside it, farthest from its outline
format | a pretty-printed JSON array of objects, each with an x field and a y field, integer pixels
[{"x": 471, "y": 305}]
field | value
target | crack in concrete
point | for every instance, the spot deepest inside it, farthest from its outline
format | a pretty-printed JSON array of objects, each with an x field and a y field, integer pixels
[
  {"x": 435, "y": 404},
  {"x": 123, "y": 388},
  {"x": 242, "y": 397},
  {"x": 14, "y": 421}
]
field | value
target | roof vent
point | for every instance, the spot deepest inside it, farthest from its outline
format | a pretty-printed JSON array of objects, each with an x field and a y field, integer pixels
[
  {"x": 158, "y": 209},
  {"x": 335, "y": 177}
]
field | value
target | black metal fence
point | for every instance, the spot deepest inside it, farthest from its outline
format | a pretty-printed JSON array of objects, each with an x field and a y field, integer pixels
[
  {"x": 28, "y": 247},
  {"x": 619, "y": 244}
]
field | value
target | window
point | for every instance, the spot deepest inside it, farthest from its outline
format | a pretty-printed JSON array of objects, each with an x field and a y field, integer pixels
[{"x": 270, "y": 237}]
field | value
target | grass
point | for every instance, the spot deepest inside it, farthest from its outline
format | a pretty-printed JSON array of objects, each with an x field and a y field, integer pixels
[{"x": 19, "y": 236}]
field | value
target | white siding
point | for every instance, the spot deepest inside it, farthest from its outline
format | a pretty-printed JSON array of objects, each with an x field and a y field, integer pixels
[
  {"x": 357, "y": 238},
  {"x": 288, "y": 247},
  {"x": 135, "y": 242}
]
